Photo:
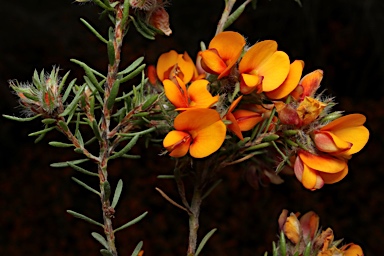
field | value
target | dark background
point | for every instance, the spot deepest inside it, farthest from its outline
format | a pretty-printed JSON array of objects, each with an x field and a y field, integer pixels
[{"x": 344, "y": 38}]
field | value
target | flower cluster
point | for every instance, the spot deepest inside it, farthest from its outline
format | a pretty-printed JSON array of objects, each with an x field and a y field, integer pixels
[
  {"x": 305, "y": 238},
  {"x": 257, "y": 94}
]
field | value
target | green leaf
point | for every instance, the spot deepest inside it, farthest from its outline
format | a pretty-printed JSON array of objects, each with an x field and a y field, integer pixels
[
  {"x": 105, "y": 252},
  {"x": 83, "y": 217},
  {"x": 21, "y": 119},
  {"x": 134, "y": 221},
  {"x": 107, "y": 190},
  {"x": 133, "y": 73},
  {"x": 117, "y": 194},
  {"x": 96, "y": 130},
  {"x": 65, "y": 164},
  {"x": 137, "y": 249},
  {"x": 94, "y": 31},
  {"x": 100, "y": 239},
  {"x": 73, "y": 105},
  {"x": 113, "y": 94},
  {"x": 149, "y": 101},
  {"x": 204, "y": 241},
  {"x": 59, "y": 144},
  {"x": 48, "y": 121},
  {"x": 270, "y": 138},
  {"x": 127, "y": 147},
  {"x": 82, "y": 170},
  {"x": 124, "y": 19},
  {"x": 111, "y": 52},
  {"x": 236, "y": 14},
  {"x": 63, "y": 82},
  {"x": 283, "y": 246},
  {"x": 68, "y": 90},
  {"x": 90, "y": 74},
  {"x": 307, "y": 251},
  {"x": 85, "y": 186},
  {"x": 44, "y": 131},
  {"x": 131, "y": 67},
  {"x": 142, "y": 29}
]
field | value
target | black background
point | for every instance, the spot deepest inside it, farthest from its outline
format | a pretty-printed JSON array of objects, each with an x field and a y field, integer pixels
[{"x": 344, "y": 38}]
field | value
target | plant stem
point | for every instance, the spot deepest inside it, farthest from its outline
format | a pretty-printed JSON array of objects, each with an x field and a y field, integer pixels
[
  {"x": 224, "y": 17},
  {"x": 194, "y": 219}
]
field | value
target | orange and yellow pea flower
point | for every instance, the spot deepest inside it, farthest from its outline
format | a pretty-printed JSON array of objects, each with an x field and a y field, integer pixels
[
  {"x": 172, "y": 64},
  {"x": 342, "y": 137},
  {"x": 196, "y": 96},
  {"x": 242, "y": 119},
  {"x": 263, "y": 68},
  {"x": 308, "y": 85},
  {"x": 313, "y": 171},
  {"x": 290, "y": 83},
  {"x": 199, "y": 131},
  {"x": 352, "y": 249},
  {"x": 222, "y": 54}
]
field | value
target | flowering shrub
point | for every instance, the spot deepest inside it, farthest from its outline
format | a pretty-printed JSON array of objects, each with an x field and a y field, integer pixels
[{"x": 233, "y": 104}]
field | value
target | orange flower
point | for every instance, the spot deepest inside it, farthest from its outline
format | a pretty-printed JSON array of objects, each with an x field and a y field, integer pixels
[
  {"x": 172, "y": 64},
  {"x": 222, "y": 54},
  {"x": 313, "y": 170},
  {"x": 309, "y": 110},
  {"x": 196, "y": 96},
  {"x": 352, "y": 250},
  {"x": 242, "y": 120},
  {"x": 308, "y": 85},
  {"x": 343, "y": 136},
  {"x": 290, "y": 83},
  {"x": 263, "y": 68},
  {"x": 199, "y": 131}
]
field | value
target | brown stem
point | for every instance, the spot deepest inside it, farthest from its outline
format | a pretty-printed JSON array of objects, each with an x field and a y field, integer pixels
[
  {"x": 224, "y": 17},
  {"x": 194, "y": 219}
]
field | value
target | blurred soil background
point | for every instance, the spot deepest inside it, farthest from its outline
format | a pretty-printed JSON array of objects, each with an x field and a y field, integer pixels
[{"x": 342, "y": 37}]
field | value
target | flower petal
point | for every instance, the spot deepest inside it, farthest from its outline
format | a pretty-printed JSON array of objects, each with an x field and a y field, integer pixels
[
  {"x": 322, "y": 163},
  {"x": 310, "y": 83},
  {"x": 352, "y": 250},
  {"x": 247, "y": 119},
  {"x": 234, "y": 126},
  {"x": 211, "y": 62},
  {"x": 327, "y": 142},
  {"x": 256, "y": 55},
  {"x": 292, "y": 229},
  {"x": 176, "y": 93},
  {"x": 290, "y": 83},
  {"x": 187, "y": 67},
  {"x": 330, "y": 178},
  {"x": 177, "y": 143},
  {"x": 165, "y": 62},
  {"x": 196, "y": 119},
  {"x": 311, "y": 179},
  {"x": 274, "y": 71},
  {"x": 248, "y": 83},
  {"x": 199, "y": 95},
  {"x": 309, "y": 223},
  {"x": 208, "y": 140},
  {"x": 345, "y": 122}
]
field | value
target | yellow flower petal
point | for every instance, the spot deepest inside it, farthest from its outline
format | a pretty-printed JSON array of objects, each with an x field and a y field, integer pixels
[
  {"x": 187, "y": 67},
  {"x": 199, "y": 95},
  {"x": 274, "y": 71},
  {"x": 176, "y": 93},
  {"x": 177, "y": 143},
  {"x": 247, "y": 119},
  {"x": 165, "y": 62},
  {"x": 212, "y": 62},
  {"x": 352, "y": 250},
  {"x": 310, "y": 179},
  {"x": 290, "y": 83},
  {"x": 208, "y": 140},
  {"x": 330, "y": 178},
  {"x": 292, "y": 229},
  {"x": 256, "y": 55},
  {"x": 322, "y": 163}
]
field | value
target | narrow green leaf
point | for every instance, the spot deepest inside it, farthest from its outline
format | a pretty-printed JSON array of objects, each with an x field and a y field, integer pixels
[
  {"x": 134, "y": 221},
  {"x": 104, "y": 6},
  {"x": 137, "y": 249},
  {"x": 59, "y": 144},
  {"x": 79, "y": 138},
  {"x": 85, "y": 186},
  {"x": 100, "y": 239},
  {"x": 83, "y": 217},
  {"x": 117, "y": 194},
  {"x": 89, "y": 73},
  {"x": 133, "y": 73},
  {"x": 204, "y": 241},
  {"x": 63, "y": 126},
  {"x": 149, "y": 101},
  {"x": 96, "y": 130},
  {"x": 236, "y": 14},
  {"x": 126, "y": 148},
  {"x": 144, "y": 32},
  {"x": 307, "y": 251},
  {"x": 48, "y": 121},
  {"x": 82, "y": 170},
  {"x": 270, "y": 138},
  {"x": 38, "y": 139},
  {"x": 111, "y": 52},
  {"x": 94, "y": 31},
  {"x": 68, "y": 90},
  {"x": 65, "y": 164},
  {"x": 107, "y": 190},
  {"x": 36, "y": 79},
  {"x": 72, "y": 106},
  {"x": 131, "y": 156},
  {"x": 113, "y": 94},
  {"x": 105, "y": 252},
  {"x": 42, "y": 131},
  {"x": 63, "y": 80},
  {"x": 124, "y": 19},
  {"x": 132, "y": 67},
  {"x": 21, "y": 119},
  {"x": 165, "y": 176},
  {"x": 283, "y": 246},
  {"x": 274, "y": 249}
]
